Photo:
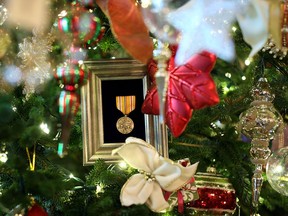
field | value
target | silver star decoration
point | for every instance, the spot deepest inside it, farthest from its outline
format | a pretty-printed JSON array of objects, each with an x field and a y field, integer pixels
[{"x": 204, "y": 25}]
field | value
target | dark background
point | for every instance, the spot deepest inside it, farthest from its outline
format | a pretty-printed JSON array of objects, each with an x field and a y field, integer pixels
[{"x": 111, "y": 89}]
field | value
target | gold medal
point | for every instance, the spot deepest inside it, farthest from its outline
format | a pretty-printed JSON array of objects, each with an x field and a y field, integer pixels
[
  {"x": 125, "y": 104},
  {"x": 125, "y": 125}
]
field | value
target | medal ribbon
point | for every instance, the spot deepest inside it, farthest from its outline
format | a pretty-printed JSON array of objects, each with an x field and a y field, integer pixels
[{"x": 126, "y": 104}]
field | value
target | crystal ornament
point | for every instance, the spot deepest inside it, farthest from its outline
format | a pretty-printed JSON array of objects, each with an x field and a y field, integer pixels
[
  {"x": 3, "y": 14},
  {"x": 161, "y": 55},
  {"x": 155, "y": 17},
  {"x": 260, "y": 123},
  {"x": 277, "y": 171}
]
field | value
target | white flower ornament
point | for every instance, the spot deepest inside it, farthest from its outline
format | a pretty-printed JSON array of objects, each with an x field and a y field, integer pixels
[{"x": 155, "y": 175}]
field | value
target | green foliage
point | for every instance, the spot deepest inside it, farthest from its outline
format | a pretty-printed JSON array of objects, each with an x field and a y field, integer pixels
[{"x": 212, "y": 137}]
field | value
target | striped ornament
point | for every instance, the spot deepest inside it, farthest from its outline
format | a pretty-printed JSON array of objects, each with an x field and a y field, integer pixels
[
  {"x": 69, "y": 103},
  {"x": 83, "y": 25},
  {"x": 71, "y": 76}
]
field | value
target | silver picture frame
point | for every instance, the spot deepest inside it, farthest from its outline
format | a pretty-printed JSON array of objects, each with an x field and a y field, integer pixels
[{"x": 112, "y": 73}]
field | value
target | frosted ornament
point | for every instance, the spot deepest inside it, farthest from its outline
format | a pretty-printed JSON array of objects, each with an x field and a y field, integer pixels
[
  {"x": 155, "y": 14},
  {"x": 277, "y": 171}
]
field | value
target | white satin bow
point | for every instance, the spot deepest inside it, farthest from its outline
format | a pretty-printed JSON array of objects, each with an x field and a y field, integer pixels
[{"x": 155, "y": 173}]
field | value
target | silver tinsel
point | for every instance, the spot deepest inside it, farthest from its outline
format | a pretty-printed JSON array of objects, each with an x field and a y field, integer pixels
[{"x": 33, "y": 52}]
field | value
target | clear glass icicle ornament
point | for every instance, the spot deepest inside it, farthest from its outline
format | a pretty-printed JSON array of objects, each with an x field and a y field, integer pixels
[
  {"x": 260, "y": 123},
  {"x": 155, "y": 15}
]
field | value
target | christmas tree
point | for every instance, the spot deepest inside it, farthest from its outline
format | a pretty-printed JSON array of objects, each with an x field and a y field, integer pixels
[{"x": 42, "y": 138}]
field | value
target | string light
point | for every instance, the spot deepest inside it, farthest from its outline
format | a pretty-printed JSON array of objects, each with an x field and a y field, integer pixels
[
  {"x": 44, "y": 128},
  {"x": 243, "y": 77},
  {"x": 248, "y": 61},
  {"x": 123, "y": 165},
  {"x": 234, "y": 29},
  {"x": 99, "y": 189},
  {"x": 3, "y": 157},
  {"x": 228, "y": 75}
]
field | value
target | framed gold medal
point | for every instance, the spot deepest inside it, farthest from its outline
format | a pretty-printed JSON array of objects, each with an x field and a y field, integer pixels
[{"x": 111, "y": 108}]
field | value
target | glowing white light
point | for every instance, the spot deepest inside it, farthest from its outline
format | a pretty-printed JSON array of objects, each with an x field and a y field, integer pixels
[
  {"x": 12, "y": 74},
  {"x": 228, "y": 75},
  {"x": 71, "y": 176},
  {"x": 99, "y": 189},
  {"x": 14, "y": 108},
  {"x": 123, "y": 165},
  {"x": 219, "y": 124},
  {"x": 243, "y": 77},
  {"x": 234, "y": 29},
  {"x": 225, "y": 89},
  {"x": 247, "y": 61},
  {"x": 44, "y": 128},
  {"x": 113, "y": 57},
  {"x": 145, "y": 3},
  {"x": 3, "y": 157},
  {"x": 62, "y": 14},
  {"x": 279, "y": 169}
]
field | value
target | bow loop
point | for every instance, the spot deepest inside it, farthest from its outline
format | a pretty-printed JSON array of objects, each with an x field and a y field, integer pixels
[
  {"x": 156, "y": 174},
  {"x": 136, "y": 184},
  {"x": 167, "y": 173},
  {"x": 138, "y": 154}
]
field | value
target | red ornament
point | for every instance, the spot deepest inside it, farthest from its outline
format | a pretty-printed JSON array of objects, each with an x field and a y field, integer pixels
[
  {"x": 190, "y": 87},
  {"x": 37, "y": 210}
]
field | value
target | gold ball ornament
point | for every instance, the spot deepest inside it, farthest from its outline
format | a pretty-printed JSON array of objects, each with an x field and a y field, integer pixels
[{"x": 5, "y": 42}]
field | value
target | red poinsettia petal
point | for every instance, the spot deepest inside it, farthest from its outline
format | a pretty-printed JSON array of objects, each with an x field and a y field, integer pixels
[
  {"x": 178, "y": 111},
  {"x": 151, "y": 70},
  {"x": 190, "y": 87},
  {"x": 151, "y": 102},
  {"x": 129, "y": 29},
  {"x": 196, "y": 82}
]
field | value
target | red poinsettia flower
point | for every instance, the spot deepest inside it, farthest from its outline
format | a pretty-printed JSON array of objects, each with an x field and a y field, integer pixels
[{"x": 190, "y": 87}]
